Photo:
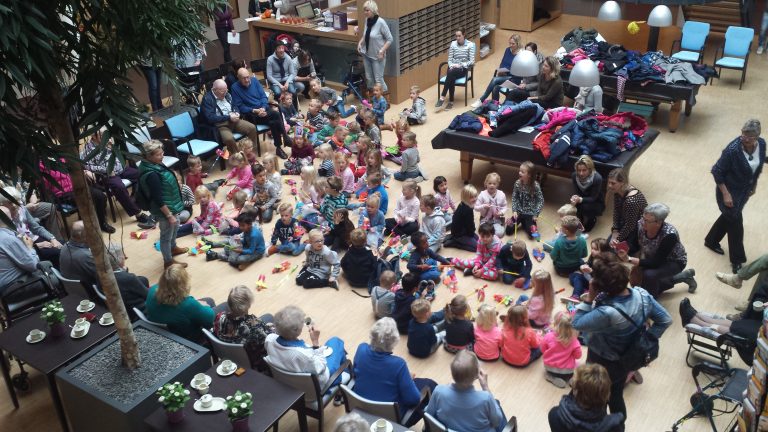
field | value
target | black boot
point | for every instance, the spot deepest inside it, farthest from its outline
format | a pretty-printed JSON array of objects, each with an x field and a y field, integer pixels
[{"x": 686, "y": 276}]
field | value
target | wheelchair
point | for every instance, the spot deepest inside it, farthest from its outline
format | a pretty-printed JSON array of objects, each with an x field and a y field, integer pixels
[{"x": 707, "y": 343}]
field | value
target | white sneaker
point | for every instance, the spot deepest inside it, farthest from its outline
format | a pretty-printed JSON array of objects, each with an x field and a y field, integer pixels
[
  {"x": 760, "y": 50},
  {"x": 478, "y": 102}
]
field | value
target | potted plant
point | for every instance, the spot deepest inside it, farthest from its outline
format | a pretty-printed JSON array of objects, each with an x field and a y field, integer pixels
[
  {"x": 239, "y": 408},
  {"x": 53, "y": 314},
  {"x": 173, "y": 396}
]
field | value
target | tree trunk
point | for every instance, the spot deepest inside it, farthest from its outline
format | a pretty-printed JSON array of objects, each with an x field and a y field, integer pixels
[{"x": 62, "y": 130}]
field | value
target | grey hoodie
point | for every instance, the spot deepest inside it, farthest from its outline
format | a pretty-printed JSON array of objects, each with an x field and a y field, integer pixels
[
  {"x": 419, "y": 110},
  {"x": 433, "y": 225},
  {"x": 324, "y": 264}
]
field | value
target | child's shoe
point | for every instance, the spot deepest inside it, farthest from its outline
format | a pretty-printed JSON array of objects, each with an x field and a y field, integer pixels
[
  {"x": 430, "y": 296},
  {"x": 467, "y": 272},
  {"x": 556, "y": 381},
  {"x": 211, "y": 255},
  {"x": 572, "y": 299}
]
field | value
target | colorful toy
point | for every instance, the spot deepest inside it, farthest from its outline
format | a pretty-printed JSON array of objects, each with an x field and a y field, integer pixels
[
  {"x": 288, "y": 276},
  {"x": 538, "y": 254},
  {"x": 157, "y": 245},
  {"x": 290, "y": 182},
  {"x": 193, "y": 251},
  {"x": 535, "y": 233},
  {"x": 560, "y": 290},
  {"x": 139, "y": 235},
  {"x": 283, "y": 266},
  {"x": 480, "y": 292},
  {"x": 506, "y": 300},
  {"x": 366, "y": 224},
  {"x": 451, "y": 281},
  {"x": 261, "y": 283}
]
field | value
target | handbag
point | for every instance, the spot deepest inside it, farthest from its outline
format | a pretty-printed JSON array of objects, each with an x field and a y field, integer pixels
[{"x": 644, "y": 347}]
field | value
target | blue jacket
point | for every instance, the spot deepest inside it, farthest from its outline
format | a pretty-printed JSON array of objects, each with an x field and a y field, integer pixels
[
  {"x": 732, "y": 170},
  {"x": 383, "y": 377},
  {"x": 417, "y": 258},
  {"x": 246, "y": 99},
  {"x": 253, "y": 243},
  {"x": 210, "y": 113},
  {"x": 608, "y": 331}
]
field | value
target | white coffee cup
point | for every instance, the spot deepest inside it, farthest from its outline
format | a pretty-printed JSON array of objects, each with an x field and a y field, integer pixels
[
  {"x": 80, "y": 322},
  {"x": 80, "y": 329},
  {"x": 206, "y": 400},
  {"x": 35, "y": 334},
  {"x": 107, "y": 318},
  {"x": 227, "y": 365},
  {"x": 381, "y": 425},
  {"x": 85, "y": 304},
  {"x": 199, "y": 378},
  {"x": 758, "y": 306},
  {"x": 202, "y": 388}
]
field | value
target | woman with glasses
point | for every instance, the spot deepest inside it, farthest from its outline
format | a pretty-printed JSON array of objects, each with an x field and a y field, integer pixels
[{"x": 736, "y": 174}]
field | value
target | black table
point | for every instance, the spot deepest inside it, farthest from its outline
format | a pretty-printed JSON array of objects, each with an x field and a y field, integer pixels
[
  {"x": 52, "y": 353},
  {"x": 516, "y": 148},
  {"x": 271, "y": 400},
  {"x": 370, "y": 418},
  {"x": 674, "y": 94}
]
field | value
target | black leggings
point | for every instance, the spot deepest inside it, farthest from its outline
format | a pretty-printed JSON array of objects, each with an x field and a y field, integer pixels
[
  {"x": 618, "y": 375},
  {"x": 450, "y": 81},
  {"x": 405, "y": 229},
  {"x": 308, "y": 279}
]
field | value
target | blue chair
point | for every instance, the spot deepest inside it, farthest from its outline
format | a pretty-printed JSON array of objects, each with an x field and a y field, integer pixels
[
  {"x": 461, "y": 82},
  {"x": 182, "y": 130},
  {"x": 691, "y": 45},
  {"x": 734, "y": 54}
]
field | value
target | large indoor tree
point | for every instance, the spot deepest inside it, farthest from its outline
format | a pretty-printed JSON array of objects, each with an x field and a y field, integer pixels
[{"x": 63, "y": 75}]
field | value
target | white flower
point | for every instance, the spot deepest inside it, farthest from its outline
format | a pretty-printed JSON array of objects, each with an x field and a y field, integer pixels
[
  {"x": 161, "y": 399},
  {"x": 61, "y": 309},
  {"x": 160, "y": 389},
  {"x": 186, "y": 392},
  {"x": 229, "y": 397},
  {"x": 248, "y": 394},
  {"x": 176, "y": 394},
  {"x": 238, "y": 398},
  {"x": 49, "y": 314},
  {"x": 243, "y": 405},
  {"x": 234, "y": 410}
]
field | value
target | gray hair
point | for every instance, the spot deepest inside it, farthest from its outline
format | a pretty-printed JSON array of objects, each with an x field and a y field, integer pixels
[
  {"x": 659, "y": 211},
  {"x": 351, "y": 422},
  {"x": 13, "y": 192},
  {"x": 78, "y": 231},
  {"x": 371, "y": 6},
  {"x": 240, "y": 300},
  {"x": 152, "y": 146},
  {"x": 464, "y": 368},
  {"x": 289, "y": 322},
  {"x": 751, "y": 128},
  {"x": 116, "y": 255},
  {"x": 384, "y": 335}
]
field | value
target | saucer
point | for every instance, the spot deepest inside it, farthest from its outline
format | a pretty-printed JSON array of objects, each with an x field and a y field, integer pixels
[
  {"x": 74, "y": 336},
  {"x": 217, "y": 404},
  {"x": 327, "y": 351},
  {"x": 220, "y": 370},
  {"x": 88, "y": 309},
  {"x": 206, "y": 382},
  {"x": 388, "y": 429},
  {"x": 29, "y": 339},
  {"x": 104, "y": 323}
]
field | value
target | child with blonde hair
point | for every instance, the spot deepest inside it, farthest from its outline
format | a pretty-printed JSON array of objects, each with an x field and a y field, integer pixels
[
  {"x": 563, "y": 211},
  {"x": 417, "y": 113},
  {"x": 286, "y": 233},
  {"x": 487, "y": 333},
  {"x": 245, "y": 145},
  {"x": 560, "y": 349},
  {"x": 269, "y": 160},
  {"x": 519, "y": 342},
  {"x": 410, "y": 160},
  {"x": 423, "y": 336},
  {"x": 315, "y": 118},
  {"x": 382, "y": 296},
  {"x": 321, "y": 267},
  {"x": 406, "y": 217},
  {"x": 210, "y": 215},
  {"x": 379, "y": 103},
  {"x": 492, "y": 203},
  {"x": 329, "y": 98},
  {"x": 240, "y": 175},
  {"x": 264, "y": 194},
  {"x": 229, "y": 224},
  {"x": 325, "y": 154},
  {"x": 372, "y": 185},
  {"x": 527, "y": 201},
  {"x": 459, "y": 332},
  {"x": 542, "y": 299},
  {"x": 372, "y": 221},
  {"x": 569, "y": 251},
  {"x": 343, "y": 170},
  {"x": 463, "y": 234},
  {"x": 372, "y": 128}
]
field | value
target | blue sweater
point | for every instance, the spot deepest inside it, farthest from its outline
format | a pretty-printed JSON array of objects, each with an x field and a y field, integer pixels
[
  {"x": 284, "y": 233},
  {"x": 383, "y": 201},
  {"x": 246, "y": 99},
  {"x": 421, "y": 338},
  {"x": 384, "y": 377},
  {"x": 506, "y": 61},
  {"x": 253, "y": 243}
]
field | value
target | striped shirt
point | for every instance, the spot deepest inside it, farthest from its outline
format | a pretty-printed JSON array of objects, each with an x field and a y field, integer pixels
[{"x": 462, "y": 55}]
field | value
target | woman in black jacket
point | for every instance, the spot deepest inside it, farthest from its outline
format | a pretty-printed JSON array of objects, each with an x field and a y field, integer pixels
[
  {"x": 589, "y": 196},
  {"x": 550, "y": 93},
  {"x": 583, "y": 409}
]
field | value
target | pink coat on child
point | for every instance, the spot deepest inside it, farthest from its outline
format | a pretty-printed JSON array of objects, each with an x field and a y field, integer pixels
[
  {"x": 244, "y": 176},
  {"x": 536, "y": 312},
  {"x": 487, "y": 343},
  {"x": 559, "y": 358}
]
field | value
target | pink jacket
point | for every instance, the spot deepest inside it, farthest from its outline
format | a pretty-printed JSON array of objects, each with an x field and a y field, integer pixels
[
  {"x": 210, "y": 215},
  {"x": 244, "y": 176},
  {"x": 487, "y": 343},
  {"x": 445, "y": 201},
  {"x": 348, "y": 179},
  {"x": 407, "y": 210},
  {"x": 64, "y": 181},
  {"x": 494, "y": 213},
  {"x": 486, "y": 255},
  {"x": 559, "y": 356},
  {"x": 536, "y": 312},
  {"x": 558, "y": 117}
]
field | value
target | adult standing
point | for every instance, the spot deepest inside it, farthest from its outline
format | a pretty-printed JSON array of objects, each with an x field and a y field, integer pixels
[
  {"x": 373, "y": 46},
  {"x": 223, "y": 23},
  {"x": 382, "y": 376},
  {"x": 736, "y": 174},
  {"x": 550, "y": 93},
  {"x": 503, "y": 75},
  {"x": 218, "y": 111},
  {"x": 628, "y": 206},
  {"x": 662, "y": 254},
  {"x": 588, "y": 197},
  {"x": 281, "y": 71},
  {"x": 608, "y": 331},
  {"x": 252, "y": 103},
  {"x": 159, "y": 186},
  {"x": 153, "y": 74},
  {"x": 461, "y": 57}
]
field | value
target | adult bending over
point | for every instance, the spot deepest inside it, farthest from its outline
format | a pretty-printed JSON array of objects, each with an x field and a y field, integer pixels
[
  {"x": 382, "y": 376},
  {"x": 550, "y": 91},
  {"x": 628, "y": 205},
  {"x": 736, "y": 174},
  {"x": 373, "y": 46},
  {"x": 589, "y": 197},
  {"x": 239, "y": 326},
  {"x": 461, "y": 57},
  {"x": 251, "y": 102},
  {"x": 608, "y": 332},
  {"x": 502, "y": 75},
  {"x": 459, "y": 406},
  {"x": 662, "y": 254}
]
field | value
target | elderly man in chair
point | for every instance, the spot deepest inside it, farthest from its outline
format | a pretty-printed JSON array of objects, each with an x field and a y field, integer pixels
[
  {"x": 18, "y": 263},
  {"x": 218, "y": 111}
]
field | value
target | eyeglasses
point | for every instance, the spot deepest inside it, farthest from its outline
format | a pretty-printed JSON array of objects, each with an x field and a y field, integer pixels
[
  {"x": 648, "y": 221},
  {"x": 748, "y": 139}
]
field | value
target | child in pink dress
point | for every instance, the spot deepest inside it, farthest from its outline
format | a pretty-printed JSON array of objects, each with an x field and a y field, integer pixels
[
  {"x": 487, "y": 334},
  {"x": 240, "y": 176},
  {"x": 542, "y": 299}
]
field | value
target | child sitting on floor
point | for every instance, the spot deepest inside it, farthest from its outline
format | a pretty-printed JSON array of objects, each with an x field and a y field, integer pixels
[
  {"x": 325, "y": 154},
  {"x": 358, "y": 263},
  {"x": 315, "y": 118},
  {"x": 337, "y": 235},
  {"x": 324, "y": 135},
  {"x": 459, "y": 333},
  {"x": 527, "y": 201},
  {"x": 264, "y": 194},
  {"x": 372, "y": 129},
  {"x": 343, "y": 170},
  {"x": 406, "y": 218},
  {"x": 210, "y": 215},
  {"x": 560, "y": 349},
  {"x": 423, "y": 262},
  {"x": 444, "y": 200},
  {"x": 372, "y": 221},
  {"x": 569, "y": 251},
  {"x": 542, "y": 299},
  {"x": 372, "y": 185},
  {"x": 580, "y": 279},
  {"x": 382, "y": 297},
  {"x": 463, "y": 234},
  {"x": 350, "y": 142},
  {"x": 492, "y": 203},
  {"x": 229, "y": 225},
  {"x": 563, "y": 211},
  {"x": 269, "y": 160},
  {"x": 515, "y": 264},
  {"x": 411, "y": 289},
  {"x": 483, "y": 265},
  {"x": 433, "y": 223},
  {"x": 519, "y": 342},
  {"x": 417, "y": 113},
  {"x": 195, "y": 175},
  {"x": 252, "y": 248},
  {"x": 285, "y": 233},
  {"x": 395, "y": 152},
  {"x": 410, "y": 158},
  {"x": 337, "y": 140},
  {"x": 240, "y": 176},
  {"x": 321, "y": 267},
  {"x": 245, "y": 145},
  {"x": 487, "y": 333},
  {"x": 332, "y": 200},
  {"x": 302, "y": 154},
  {"x": 423, "y": 336}
]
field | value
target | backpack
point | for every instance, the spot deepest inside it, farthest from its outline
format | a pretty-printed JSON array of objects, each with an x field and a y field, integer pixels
[
  {"x": 644, "y": 347},
  {"x": 383, "y": 265},
  {"x": 142, "y": 200}
]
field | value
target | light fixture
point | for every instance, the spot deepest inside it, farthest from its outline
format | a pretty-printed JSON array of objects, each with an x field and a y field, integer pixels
[
  {"x": 660, "y": 16},
  {"x": 609, "y": 11},
  {"x": 584, "y": 74},
  {"x": 525, "y": 64}
]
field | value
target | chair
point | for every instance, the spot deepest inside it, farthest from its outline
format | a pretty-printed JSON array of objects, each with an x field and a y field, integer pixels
[
  {"x": 209, "y": 76},
  {"x": 729, "y": 385},
  {"x": 144, "y": 318},
  {"x": 257, "y": 66},
  {"x": 141, "y": 134},
  {"x": 461, "y": 82},
  {"x": 227, "y": 351},
  {"x": 734, "y": 54},
  {"x": 433, "y": 425},
  {"x": 315, "y": 398},
  {"x": 73, "y": 287},
  {"x": 387, "y": 410},
  {"x": 691, "y": 45},
  {"x": 706, "y": 342},
  {"x": 182, "y": 131}
]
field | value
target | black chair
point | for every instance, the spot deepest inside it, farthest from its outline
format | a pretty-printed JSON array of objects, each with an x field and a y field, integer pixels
[
  {"x": 728, "y": 386},
  {"x": 209, "y": 76},
  {"x": 704, "y": 342}
]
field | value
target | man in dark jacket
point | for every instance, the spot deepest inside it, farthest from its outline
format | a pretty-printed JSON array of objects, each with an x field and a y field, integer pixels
[{"x": 218, "y": 111}]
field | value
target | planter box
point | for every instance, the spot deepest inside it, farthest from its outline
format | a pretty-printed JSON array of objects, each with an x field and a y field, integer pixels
[{"x": 99, "y": 394}]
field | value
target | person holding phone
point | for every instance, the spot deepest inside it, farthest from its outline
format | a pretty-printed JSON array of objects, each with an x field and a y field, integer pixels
[
  {"x": 662, "y": 255},
  {"x": 628, "y": 205}
]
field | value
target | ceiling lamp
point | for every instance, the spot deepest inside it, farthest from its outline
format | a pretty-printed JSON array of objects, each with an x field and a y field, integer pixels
[
  {"x": 584, "y": 74},
  {"x": 609, "y": 11},
  {"x": 660, "y": 16},
  {"x": 525, "y": 64}
]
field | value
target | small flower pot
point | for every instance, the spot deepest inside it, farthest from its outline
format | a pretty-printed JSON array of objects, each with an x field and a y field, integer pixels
[
  {"x": 175, "y": 416},
  {"x": 58, "y": 329},
  {"x": 240, "y": 425}
]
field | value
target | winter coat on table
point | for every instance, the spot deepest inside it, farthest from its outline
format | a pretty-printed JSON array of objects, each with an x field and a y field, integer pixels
[
  {"x": 466, "y": 123},
  {"x": 557, "y": 117},
  {"x": 732, "y": 170}
]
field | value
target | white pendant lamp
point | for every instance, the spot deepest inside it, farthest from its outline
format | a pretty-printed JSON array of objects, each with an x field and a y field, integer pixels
[
  {"x": 584, "y": 74},
  {"x": 609, "y": 11},
  {"x": 660, "y": 16},
  {"x": 525, "y": 64}
]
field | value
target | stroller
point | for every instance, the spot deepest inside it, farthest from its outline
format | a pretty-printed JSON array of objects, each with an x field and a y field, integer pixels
[
  {"x": 191, "y": 85},
  {"x": 355, "y": 78}
]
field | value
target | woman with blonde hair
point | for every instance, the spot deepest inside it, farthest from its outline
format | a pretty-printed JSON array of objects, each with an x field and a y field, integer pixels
[
  {"x": 241, "y": 327},
  {"x": 515, "y": 45},
  {"x": 374, "y": 44},
  {"x": 550, "y": 92},
  {"x": 589, "y": 196}
]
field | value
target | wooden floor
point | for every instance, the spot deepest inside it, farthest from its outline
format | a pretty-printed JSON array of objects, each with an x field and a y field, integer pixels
[{"x": 674, "y": 171}]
